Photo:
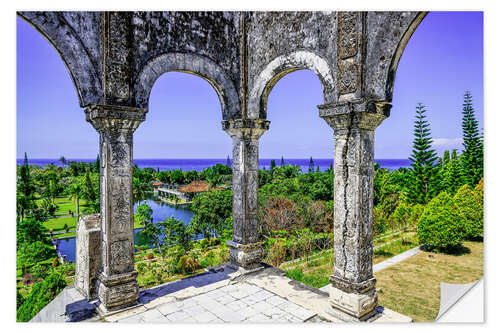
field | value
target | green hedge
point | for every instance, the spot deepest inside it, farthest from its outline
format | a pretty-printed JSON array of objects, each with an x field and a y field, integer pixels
[{"x": 440, "y": 227}]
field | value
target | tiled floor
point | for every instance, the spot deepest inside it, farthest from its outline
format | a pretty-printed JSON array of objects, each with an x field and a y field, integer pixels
[{"x": 237, "y": 303}]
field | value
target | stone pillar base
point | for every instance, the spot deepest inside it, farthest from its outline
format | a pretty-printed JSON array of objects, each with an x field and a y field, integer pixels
[
  {"x": 117, "y": 292},
  {"x": 352, "y": 306},
  {"x": 246, "y": 256}
]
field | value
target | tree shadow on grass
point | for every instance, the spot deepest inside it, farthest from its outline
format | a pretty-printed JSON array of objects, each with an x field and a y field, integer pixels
[{"x": 451, "y": 250}]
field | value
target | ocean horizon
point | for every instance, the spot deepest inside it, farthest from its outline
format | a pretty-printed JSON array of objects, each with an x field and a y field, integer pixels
[{"x": 199, "y": 164}]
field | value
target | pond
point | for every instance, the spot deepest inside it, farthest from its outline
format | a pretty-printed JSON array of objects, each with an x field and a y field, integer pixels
[{"x": 161, "y": 211}]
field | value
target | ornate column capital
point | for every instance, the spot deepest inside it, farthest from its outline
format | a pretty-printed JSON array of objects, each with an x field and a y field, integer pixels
[
  {"x": 360, "y": 114},
  {"x": 107, "y": 118},
  {"x": 245, "y": 129}
]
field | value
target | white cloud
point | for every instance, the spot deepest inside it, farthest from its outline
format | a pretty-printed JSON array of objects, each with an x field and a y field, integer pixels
[{"x": 446, "y": 142}]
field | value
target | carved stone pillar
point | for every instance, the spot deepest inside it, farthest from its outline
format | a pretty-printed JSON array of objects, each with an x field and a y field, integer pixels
[
  {"x": 116, "y": 281},
  {"x": 245, "y": 249},
  {"x": 352, "y": 294}
]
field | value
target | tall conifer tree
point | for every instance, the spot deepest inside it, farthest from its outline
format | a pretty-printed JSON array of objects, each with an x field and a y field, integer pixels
[
  {"x": 422, "y": 187},
  {"x": 472, "y": 155},
  {"x": 311, "y": 165}
]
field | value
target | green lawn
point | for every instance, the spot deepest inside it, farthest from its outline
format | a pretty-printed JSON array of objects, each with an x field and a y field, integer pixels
[
  {"x": 412, "y": 287},
  {"x": 64, "y": 204}
]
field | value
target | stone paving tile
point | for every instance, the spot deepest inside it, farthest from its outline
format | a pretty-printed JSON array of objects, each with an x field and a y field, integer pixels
[
  {"x": 227, "y": 314},
  {"x": 178, "y": 316},
  {"x": 154, "y": 316},
  {"x": 189, "y": 320},
  {"x": 216, "y": 321},
  {"x": 273, "y": 312},
  {"x": 238, "y": 294},
  {"x": 236, "y": 305},
  {"x": 194, "y": 310},
  {"x": 249, "y": 300},
  {"x": 275, "y": 300},
  {"x": 169, "y": 308},
  {"x": 205, "y": 317},
  {"x": 225, "y": 299},
  {"x": 261, "y": 306},
  {"x": 249, "y": 288},
  {"x": 132, "y": 319},
  {"x": 291, "y": 318},
  {"x": 229, "y": 288},
  {"x": 263, "y": 294},
  {"x": 215, "y": 293},
  {"x": 302, "y": 313},
  {"x": 209, "y": 304},
  {"x": 248, "y": 312},
  {"x": 258, "y": 318}
]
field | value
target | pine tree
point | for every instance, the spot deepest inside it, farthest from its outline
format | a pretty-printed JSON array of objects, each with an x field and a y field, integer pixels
[
  {"x": 273, "y": 164},
  {"x": 25, "y": 184},
  {"x": 228, "y": 162},
  {"x": 472, "y": 155},
  {"x": 282, "y": 162},
  {"x": 456, "y": 179},
  {"x": 422, "y": 187},
  {"x": 97, "y": 165},
  {"x": 311, "y": 165}
]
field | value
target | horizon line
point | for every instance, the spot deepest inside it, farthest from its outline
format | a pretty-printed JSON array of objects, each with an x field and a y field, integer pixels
[{"x": 201, "y": 158}]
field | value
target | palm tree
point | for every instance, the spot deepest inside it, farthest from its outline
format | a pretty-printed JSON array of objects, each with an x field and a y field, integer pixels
[{"x": 75, "y": 192}]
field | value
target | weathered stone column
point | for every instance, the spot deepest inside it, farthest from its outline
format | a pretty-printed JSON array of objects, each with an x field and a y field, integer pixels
[
  {"x": 352, "y": 294},
  {"x": 116, "y": 281},
  {"x": 88, "y": 254},
  {"x": 245, "y": 249}
]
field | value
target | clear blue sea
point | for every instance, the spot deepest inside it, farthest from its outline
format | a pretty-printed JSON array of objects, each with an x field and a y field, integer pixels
[{"x": 200, "y": 164}]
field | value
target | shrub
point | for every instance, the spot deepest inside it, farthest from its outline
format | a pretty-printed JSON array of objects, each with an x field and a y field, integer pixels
[
  {"x": 19, "y": 299},
  {"x": 469, "y": 203},
  {"x": 141, "y": 267},
  {"x": 55, "y": 262},
  {"x": 380, "y": 224},
  {"x": 204, "y": 243},
  {"x": 41, "y": 294},
  {"x": 439, "y": 226},
  {"x": 277, "y": 253},
  {"x": 187, "y": 264},
  {"x": 31, "y": 253},
  {"x": 210, "y": 259},
  {"x": 40, "y": 270},
  {"x": 281, "y": 214}
]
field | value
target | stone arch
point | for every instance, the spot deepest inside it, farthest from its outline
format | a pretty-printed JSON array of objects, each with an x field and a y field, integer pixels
[
  {"x": 59, "y": 33},
  {"x": 283, "y": 65},
  {"x": 193, "y": 64},
  {"x": 391, "y": 76}
]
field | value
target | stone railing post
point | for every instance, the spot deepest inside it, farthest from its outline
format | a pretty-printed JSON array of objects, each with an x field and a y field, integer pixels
[
  {"x": 245, "y": 250},
  {"x": 353, "y": 296},
  {"x": 116, "y": 281},
  {"x": 88, "y": 254}
]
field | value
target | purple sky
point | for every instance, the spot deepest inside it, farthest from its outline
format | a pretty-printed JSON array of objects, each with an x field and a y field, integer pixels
[{"x": 443, "y": 58}]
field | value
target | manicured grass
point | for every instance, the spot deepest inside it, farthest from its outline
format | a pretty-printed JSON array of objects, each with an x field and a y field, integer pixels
[
  {"x": 412, "y": 287},
  {"x": 64, "y": 204},
  {"x": 57, "y": 224}
]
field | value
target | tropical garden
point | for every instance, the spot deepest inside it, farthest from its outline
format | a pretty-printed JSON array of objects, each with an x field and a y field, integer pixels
[{"x": 436, "y": 203}]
